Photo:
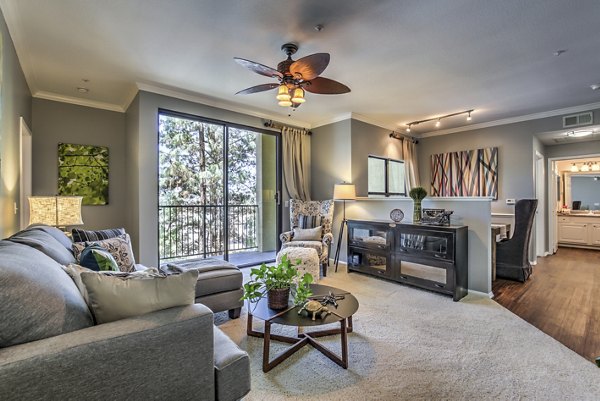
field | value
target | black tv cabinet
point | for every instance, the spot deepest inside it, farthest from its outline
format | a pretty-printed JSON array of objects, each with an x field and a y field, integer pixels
[{"x": 425, "y": 256}]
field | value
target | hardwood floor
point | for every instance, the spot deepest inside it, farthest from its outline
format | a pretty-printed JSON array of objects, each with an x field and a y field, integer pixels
[{"x": 562, "y": 298}]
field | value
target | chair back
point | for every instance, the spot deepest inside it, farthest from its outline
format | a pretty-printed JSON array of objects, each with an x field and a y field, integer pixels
[
  {"x": 524, "y": 215},
  {"x": 323, "y": 209}
]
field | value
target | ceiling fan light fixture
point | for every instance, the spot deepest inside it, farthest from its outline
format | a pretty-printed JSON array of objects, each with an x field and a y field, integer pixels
[
  {"x": 298, "y": 96},
  {"x": 285, "y": 103},
  {"x": 283, "y": 93}
]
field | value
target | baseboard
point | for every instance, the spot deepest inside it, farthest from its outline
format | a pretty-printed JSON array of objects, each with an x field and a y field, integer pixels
[
  {"x": 340, "y": 263},
  {"x": 485, "y": 294}
]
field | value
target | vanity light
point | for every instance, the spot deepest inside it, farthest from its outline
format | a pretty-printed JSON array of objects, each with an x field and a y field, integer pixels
[
  {"x": 585, "y": 168},
  {"x": 596, "y": 167},
  {"x": 574, "y": 168}
]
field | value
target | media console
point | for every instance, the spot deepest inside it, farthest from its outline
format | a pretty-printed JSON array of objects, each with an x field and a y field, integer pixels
[{"x": 425, "y": 256}]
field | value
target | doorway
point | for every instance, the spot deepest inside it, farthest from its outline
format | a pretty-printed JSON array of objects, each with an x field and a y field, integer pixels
[
  {"x": 540, "y": 213},
  {"x": 219, "y": 186},
  {"x": 25, "y": 151}
]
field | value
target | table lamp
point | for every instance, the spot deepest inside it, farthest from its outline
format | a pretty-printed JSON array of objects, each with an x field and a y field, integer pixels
[
  {"x": 57, "y": 211},
  {"x": 344, "y": 191}
]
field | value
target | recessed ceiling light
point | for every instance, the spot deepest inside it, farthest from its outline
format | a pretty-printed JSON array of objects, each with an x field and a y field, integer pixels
[
  {"x": 81, "y": 89},
  {"x": 579, "y": 133}
]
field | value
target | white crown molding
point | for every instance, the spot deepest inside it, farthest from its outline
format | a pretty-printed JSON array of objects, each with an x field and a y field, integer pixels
[
  {"x": 11, "y": 17},
  {"x": 78, "y": 101},
  {"x": 196, "y": 98},
  {"x": 512, "y": 120},
  {"x": 129, "y": 98},
  {"x": 369, "y": 120},
  {"x": 336, "y": 119}
]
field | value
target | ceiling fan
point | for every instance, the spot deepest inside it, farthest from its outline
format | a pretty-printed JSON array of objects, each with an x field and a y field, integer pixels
[{"x": 294, "y": 77}]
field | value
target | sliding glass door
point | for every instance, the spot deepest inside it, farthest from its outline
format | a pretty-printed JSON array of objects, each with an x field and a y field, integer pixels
[{"x": 218, "y": 185}]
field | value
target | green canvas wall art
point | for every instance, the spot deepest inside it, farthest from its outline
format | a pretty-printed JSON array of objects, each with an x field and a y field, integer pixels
[{"x": 83, "y": 171}]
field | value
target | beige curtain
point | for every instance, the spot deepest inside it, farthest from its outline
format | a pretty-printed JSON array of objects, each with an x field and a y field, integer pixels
[
  {"x": 411, "y": 166},
  {"x": 296, "y": 162}
]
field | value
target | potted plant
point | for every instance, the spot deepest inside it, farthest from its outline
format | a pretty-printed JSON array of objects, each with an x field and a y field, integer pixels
[
  {"x": 417, "y": 194},
  {"x": 277, "y": 282}
]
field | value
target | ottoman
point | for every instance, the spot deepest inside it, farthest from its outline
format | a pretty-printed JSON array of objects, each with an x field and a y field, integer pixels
[
  {"x": 219, "y": 284},
  {"x": 309, "y": 260}
]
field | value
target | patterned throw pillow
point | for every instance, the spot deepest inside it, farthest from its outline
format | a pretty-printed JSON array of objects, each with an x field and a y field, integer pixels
[
  {"x": 86, "y": 235},
  {"x": 96, "y": 258},
  {"x": 309, "y": 221},
  {"x": 119, "y": 247}
]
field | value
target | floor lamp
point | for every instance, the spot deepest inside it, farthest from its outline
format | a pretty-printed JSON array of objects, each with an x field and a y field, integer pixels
[{"x": 343, "y": 192}]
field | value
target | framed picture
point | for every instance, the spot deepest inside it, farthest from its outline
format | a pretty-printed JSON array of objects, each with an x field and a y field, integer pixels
[{"x": 83, "y": 171}]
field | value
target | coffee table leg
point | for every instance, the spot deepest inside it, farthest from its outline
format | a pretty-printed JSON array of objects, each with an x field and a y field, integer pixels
[
  {"x": 266, "y": 346},
  {"x": 350, "y": 328},
  {"x": 344, "y": 335}
]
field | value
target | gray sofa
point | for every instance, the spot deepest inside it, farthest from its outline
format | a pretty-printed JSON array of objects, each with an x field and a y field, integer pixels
[{"x": 50, "y": 348}]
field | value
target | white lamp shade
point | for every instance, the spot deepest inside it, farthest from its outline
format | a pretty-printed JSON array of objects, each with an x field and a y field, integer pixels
[
  {"x": 344, "y": 191},
  {"x": 58, "y": 211}
]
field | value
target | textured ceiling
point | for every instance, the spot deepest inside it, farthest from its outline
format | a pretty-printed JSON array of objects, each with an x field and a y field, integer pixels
[{"x": 403, "y": 60}]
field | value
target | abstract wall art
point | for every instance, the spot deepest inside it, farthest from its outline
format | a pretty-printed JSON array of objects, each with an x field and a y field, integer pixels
[
  {"x": 465, "y": 173},
  {"x": 83, "y": 171}
]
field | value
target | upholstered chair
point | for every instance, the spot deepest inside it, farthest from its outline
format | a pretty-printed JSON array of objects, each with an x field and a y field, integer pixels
[
  {"x": 306, "y": 215},
  {"x": 512, "y": 256}
]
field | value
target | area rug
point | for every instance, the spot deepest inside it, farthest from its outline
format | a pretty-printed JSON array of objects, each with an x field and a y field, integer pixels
[{"x": 410, "y": 344}]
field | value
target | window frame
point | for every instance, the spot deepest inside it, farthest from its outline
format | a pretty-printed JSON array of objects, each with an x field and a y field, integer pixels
[{"x": 386, "y": 192}]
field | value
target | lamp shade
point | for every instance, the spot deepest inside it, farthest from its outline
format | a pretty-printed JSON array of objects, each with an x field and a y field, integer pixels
[
  {"x": 58, "y": 211},
  {"x": 344, "y": 191}
]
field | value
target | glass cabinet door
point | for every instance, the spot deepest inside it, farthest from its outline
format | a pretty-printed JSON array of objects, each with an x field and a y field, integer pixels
[
  {"x": 437, "y": 245},
  {"x": 375, "y": 237},
  {"x": 370, "y": 261}
]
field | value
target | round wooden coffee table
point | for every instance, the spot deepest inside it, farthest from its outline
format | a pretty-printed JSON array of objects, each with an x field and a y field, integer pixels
[{"x": 290, "y": 317}]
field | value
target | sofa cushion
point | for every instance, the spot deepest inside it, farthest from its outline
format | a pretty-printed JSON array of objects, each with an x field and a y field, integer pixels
[
  {"x": 96, "y": 258},
  {"x": 45, "y": 243},
  {"x": 58, "y": 235},
  {"x": 232, "y": 368},
  {"x": 115, "y": 297},
  {"x": 97, "y": 235},
  {"x": 119, "y": 247},
  {"x": 214, "y": 275},
  {"x": 37, "y": 298}
]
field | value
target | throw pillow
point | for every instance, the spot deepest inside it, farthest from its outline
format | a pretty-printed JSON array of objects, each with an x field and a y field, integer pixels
[
  {"x": 113, "y": 297},
  {"x": 309, "y": 221},
  {"x": 45, "y": 243},
  {"x": 98, "y": 235},
  {"x": 308, "y": 234},
  {"x": 96, "y": 258},
  {"x": 119, "y": 247}
]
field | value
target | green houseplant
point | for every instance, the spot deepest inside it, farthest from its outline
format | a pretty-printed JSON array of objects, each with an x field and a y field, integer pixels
[
  {"x": 277, "y": 282},
  {"x": 417, "y": 194}
]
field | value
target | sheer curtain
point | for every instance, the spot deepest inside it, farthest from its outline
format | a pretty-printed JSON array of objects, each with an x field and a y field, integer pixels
[
  {"x": 296, "y": 162},
  {"x": 409, "y": 152}
]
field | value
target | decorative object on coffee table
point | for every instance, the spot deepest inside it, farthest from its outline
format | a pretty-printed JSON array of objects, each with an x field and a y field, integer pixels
[
  {"x": 276, "y": 282},
  {"x": 314, "y": 308},
  {"x": 436, "y": 217},
  {"x": 396, "y": 215},
  {"x": 417, "y": 194},
  {"x": 347, "y": 306}
]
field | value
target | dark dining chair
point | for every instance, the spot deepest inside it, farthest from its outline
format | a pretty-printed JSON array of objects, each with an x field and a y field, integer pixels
[{"x": 512, "y": 256}]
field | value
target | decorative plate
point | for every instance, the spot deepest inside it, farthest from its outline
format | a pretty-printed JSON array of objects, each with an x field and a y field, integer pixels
[{"x": 396, "y": 215}]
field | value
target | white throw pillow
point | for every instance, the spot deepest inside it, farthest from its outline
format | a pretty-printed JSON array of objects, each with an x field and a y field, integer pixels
[
  {"x": 114, "y": 297},
  {"x": 307, "y": 234}
]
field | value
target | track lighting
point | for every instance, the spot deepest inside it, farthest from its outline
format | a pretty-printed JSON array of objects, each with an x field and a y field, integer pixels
[{"x": 439, "y": 119}]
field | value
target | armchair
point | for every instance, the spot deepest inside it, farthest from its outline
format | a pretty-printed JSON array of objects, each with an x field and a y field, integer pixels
[
  {"x": 512, "y": 256},
  {"x": 310, "y": 214}
]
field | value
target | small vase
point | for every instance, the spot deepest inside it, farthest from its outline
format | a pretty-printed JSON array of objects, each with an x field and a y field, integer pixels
[
  {"x": 417, "y": 212},
  {"x": 278, "y": 298}
]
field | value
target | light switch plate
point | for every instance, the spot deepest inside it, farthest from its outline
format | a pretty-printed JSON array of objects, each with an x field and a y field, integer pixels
[{"x": 510, "y": 201}]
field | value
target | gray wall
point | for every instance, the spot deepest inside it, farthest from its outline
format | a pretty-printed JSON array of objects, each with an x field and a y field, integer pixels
[
  {"x": 54, "y": 123},
  {"x": 586, "y": 188},
  {"x": 142, "y": 162},
  {"x": 15, "y": 102}
]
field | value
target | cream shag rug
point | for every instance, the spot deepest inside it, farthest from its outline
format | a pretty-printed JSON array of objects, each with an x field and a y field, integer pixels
[{"x": 410, "y": 344}]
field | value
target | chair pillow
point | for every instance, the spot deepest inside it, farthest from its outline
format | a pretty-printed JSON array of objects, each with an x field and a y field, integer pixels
[
  {"x": 98, "y": 235},
  {"x": 305, "y": 221},
  {"x": 119, "y": 247},
  {"x": 96, "y": 258},
  {"x": 113, "y": 297},
  {"x": 308, "y": 234}
]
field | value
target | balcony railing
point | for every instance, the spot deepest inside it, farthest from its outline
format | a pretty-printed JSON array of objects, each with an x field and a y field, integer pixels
[{"x": 199, "y": 230}]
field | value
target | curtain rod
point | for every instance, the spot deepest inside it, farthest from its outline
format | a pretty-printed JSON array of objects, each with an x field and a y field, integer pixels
[
  {"x": 279, "y": 126},
  {"x": 401, "y": 137}
]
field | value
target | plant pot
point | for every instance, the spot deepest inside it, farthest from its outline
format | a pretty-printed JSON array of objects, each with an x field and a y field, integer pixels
[
  {"x": 417, "y": 212},
  {"x": 278, "y": 298}
]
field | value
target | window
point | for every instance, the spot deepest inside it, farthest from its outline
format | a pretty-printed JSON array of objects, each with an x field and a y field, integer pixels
[{"x": 386, "y": 177}]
